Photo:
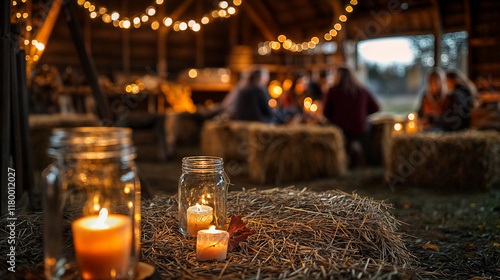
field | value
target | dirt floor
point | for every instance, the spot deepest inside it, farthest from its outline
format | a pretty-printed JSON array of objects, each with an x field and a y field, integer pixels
[{"x": 453, "y": 236}]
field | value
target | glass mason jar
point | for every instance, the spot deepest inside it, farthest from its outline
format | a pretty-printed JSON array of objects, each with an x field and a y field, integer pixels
[
  {"x": 91, "y": 205},
  {"x": 202, "y": 194}
]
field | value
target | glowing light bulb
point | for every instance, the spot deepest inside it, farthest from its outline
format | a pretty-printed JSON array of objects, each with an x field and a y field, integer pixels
[
  {"x": 342, "y": 18},
  {"x": 348, "y": 9},
  {"x": 93, "y": 15},
  {"x": 231, "y": 10},
  {"x": 136, "y": 20},
  {"x": 205, "y": 20},
  {"x": 151, "y": 11},
  {"x": 115, "y": 15},
  {"x": 126, "y": 24},
  {"x": 191, "y": 23},
  {"x": 183, "y": 26},
  {"x": 144, "y": 18},
  {"x": 196, "y": 27},
  {"x": 155, "y": 25},
  {"x": 223, "y": 4},
  {"x": 237, "y": 2}
]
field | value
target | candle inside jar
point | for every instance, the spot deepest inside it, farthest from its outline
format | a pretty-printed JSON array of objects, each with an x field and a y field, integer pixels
[
  {"x": 199, "y": 217},
  {"x": 102, "y": 245},
  {"x": 211, "y": 244}
]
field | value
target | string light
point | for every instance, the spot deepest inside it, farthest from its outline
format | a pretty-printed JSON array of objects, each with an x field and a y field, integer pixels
[
  {"x": 225, "y": 9},
  {"x": 287, "y": 44}
]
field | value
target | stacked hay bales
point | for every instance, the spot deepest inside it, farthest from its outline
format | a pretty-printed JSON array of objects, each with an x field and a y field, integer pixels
[
  {"x": 461, "y": 161},
  {"x": 280, "y": 154}
]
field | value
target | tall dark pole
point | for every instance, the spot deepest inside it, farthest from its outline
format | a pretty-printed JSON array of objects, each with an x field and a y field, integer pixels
[
  {"x": 87, "y": 64},
  {"x": 4, "y": 100}
]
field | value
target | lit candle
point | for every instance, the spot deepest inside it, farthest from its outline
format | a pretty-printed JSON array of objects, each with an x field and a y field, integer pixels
[
  {"x": 398, "y": 128},
  {"x": 102, "y": 245},
  {"x": 411, "y": 127},
  {"x": 211, "y": 244},
  {"x": 199, "y": 217}
]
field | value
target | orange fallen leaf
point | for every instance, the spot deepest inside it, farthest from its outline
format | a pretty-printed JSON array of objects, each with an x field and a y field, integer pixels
[
  {"x": 431, "y": 247},
  {"x": 496, "y": 244},
  {"x": 476, "y": 278}
]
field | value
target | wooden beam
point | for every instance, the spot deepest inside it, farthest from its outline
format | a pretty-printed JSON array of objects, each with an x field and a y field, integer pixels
[
  {"x": 125, "y": 44},
  {"x": 4, "y": 101},
  {"x": 341, "y": 35},
  {"x": 468, "y": 28},
  {"x": 200, "y": 42},
  {"x": 253, "y": 14},
  {"x": 162, "y": 67},
  {"x": 438, "y": 31}
]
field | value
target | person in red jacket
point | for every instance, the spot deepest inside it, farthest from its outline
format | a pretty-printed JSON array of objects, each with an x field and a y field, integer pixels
[{"x": 347, "y": 105}]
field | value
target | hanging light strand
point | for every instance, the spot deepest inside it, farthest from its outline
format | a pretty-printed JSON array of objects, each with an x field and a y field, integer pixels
[
  {"x": 149, "y": 15},
  {"x": 285, "y": 43}
]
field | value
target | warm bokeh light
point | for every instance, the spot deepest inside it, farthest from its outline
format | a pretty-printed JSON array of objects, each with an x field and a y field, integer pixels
[
  {"x": 275, "y": 89},
  {"x": 93, "y": 15},
  {"x": 305, "y": 46},
  {"x": 287, "y": 44},
  {"x": 28, "y": 28},
  {"x": 102, "y": 10},
  {"x": 196, "y": 27},
  {"x": 237, "y": 2},
  {"x": 411, "y": 124},
  {"x": 167, "y": 21},
  {"x": 314, "y": 108},
  {"x": 191, "y": 23},
  {"x": 281, "y": 38},
  {"x": 354, "y": 2},
  {"x": 315, "y": 40},
  {"x": 342, "y": 18},
  {"x": 128, "y": 88},
  {"x": 205, "y": 20},
  {"x": 126, "y": 24},
  {"x": 91, "y": 8},
  {"x": 115, "y": 16},
  {"x": 136, "y": 20},
  {"x": 106, "y": 18},
  {"x": 193, "y": 73},
  {"x": 231, "y": 10},
  {"x": 151, "y": 11},
  {"x": 287, "y": 84},
  {"x": 333, "y": 32},
  {"x": 272, "y": 103},
  {"x": 398, "y": 127},
  {"x": 159, "y": 2},
  {"x": 183, "y": 26},
  {"x": 86, "y": 4},
  {"x": 40, "y": 46},
  {"x": 348, "y": 9},
  {"x": 222, "y": 13},
  {"x": 223, "y": 4},
  {"x": 337, "y": 26},
  {"x": 328, "y": 37},
  {"x": 155, "y": 25},
  {"x": 311, "y": 45},
  {"x": 411, "y": 116},
  {"x": 144, "y": 18},
  {"x": 225, "y": 78}
]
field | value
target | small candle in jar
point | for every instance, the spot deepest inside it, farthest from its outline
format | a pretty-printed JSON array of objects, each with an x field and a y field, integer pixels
[
  {"x": 102, "y": 245},
  {"x": 411, "y": 127},
  {"x": 199, "y": 217},
  {"x": 211, "y": 244}
]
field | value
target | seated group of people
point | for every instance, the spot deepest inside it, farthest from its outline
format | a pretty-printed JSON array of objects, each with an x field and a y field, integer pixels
[{"x": 448, "y": 99}]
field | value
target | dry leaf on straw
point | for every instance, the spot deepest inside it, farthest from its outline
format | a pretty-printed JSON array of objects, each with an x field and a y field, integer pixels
[
  {"x": 238, "y": 232},
  {"x": 432, "y": 247}
]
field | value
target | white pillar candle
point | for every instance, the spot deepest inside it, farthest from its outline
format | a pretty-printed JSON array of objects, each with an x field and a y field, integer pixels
[
  {"x": 211, "y": 244},
  {"x": 199, "y": 217}
]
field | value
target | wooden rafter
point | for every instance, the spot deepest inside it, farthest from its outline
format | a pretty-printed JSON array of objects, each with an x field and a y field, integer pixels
[{"x": 255, "y": 12}]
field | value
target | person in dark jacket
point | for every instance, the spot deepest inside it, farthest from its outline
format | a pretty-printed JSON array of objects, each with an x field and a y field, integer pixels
[
  {"x": 348, "y": 104},
  {"x": 252, "y": 103},
  {"x": 458, "y": 103}
]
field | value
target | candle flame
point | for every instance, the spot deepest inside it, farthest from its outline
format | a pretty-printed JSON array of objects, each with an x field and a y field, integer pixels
[
  {"x": 211, "y": 229},
  {"x": 198, "y": 207},
  {"x": 101, "y": 220}
]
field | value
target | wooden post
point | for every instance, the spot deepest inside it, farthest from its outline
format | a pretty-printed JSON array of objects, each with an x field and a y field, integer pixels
[
  {"x": 23, "y": 128},
  {"x": 126, "y": 44},
  {"x": 438, "y": 32},
  {"x": 88, "y": 65},
  {"x": 470, "y": 35},
  {"x": 4, "y": 100},
  {"x": 162, "y": 44},
  {"x": 200, "y": 42}
]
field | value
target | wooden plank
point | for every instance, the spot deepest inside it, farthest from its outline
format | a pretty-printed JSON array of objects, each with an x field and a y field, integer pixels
[
  {"x": 438, "y": 31},
  {"x": 4, "y": 100},
  {"x": 253, "y": 14}
]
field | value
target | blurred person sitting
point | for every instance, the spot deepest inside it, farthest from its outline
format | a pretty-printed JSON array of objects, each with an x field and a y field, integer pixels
[
  {"x": 252, "y": 100},
  {"x": 458, "y": 102},
  {"x": 348, "y": 104},
  {"x": 291, "y": 100},
  {"x": 433, "y": 99}
]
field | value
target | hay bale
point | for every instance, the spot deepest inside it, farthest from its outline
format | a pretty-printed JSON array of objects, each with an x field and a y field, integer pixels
[
  {"x": 226, "y": 139},
  {"x": 300, "y": 235},
  {"x": 460, "y": 161},
  {"x": 280, "y": 154}
]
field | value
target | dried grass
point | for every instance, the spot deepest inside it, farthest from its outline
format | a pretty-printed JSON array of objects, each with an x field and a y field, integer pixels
[{"x": 300, "y": 235}]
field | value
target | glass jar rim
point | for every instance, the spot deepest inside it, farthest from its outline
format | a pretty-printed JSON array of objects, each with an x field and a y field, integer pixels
[
  {"x": 91, "y": 142},
  {"x": 202, "y": 163}
]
